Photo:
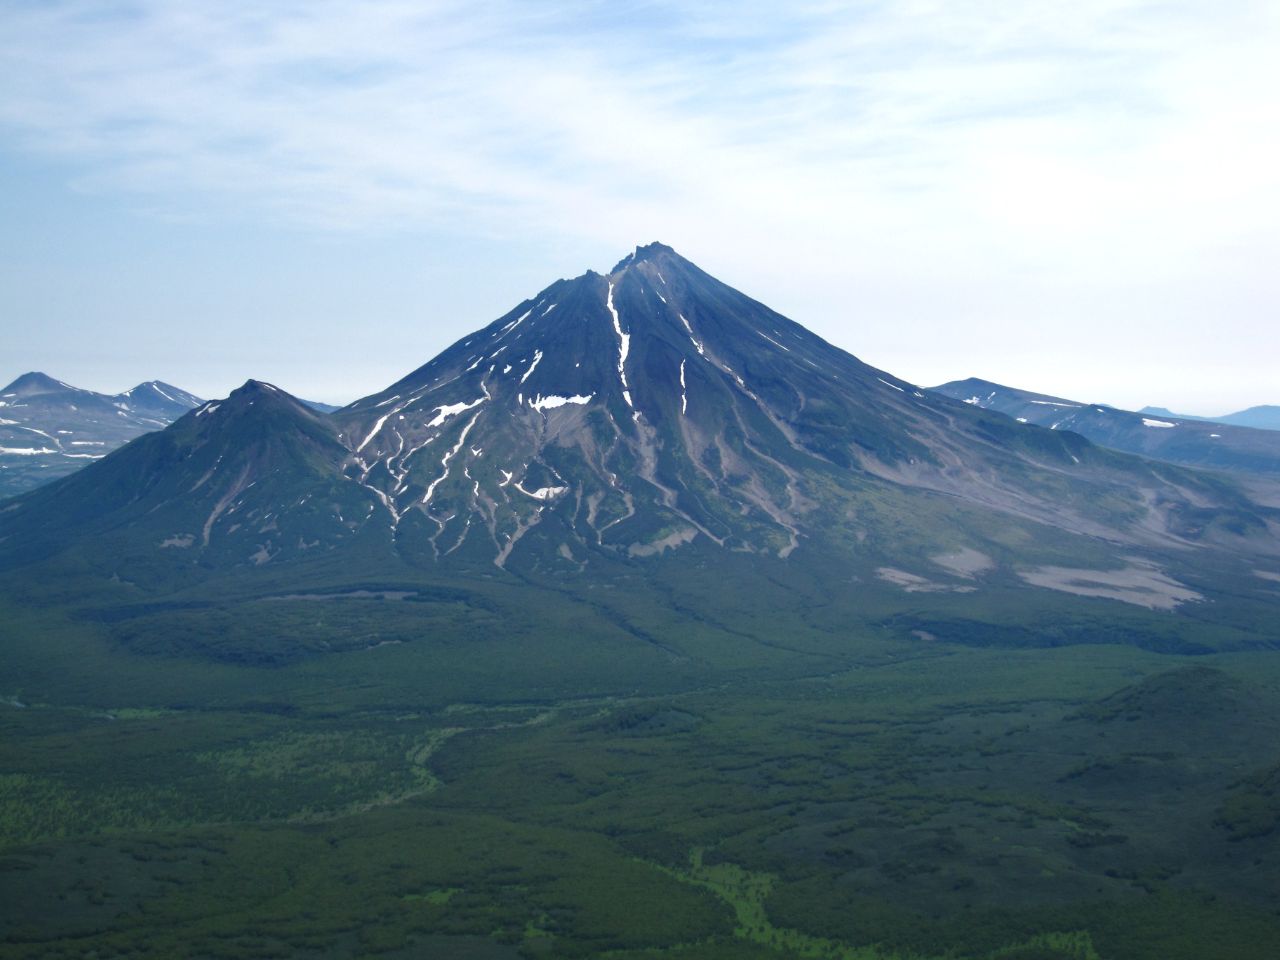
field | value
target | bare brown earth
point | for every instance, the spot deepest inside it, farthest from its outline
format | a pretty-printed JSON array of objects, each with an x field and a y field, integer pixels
[
  {"x": 965, "y": 562},
  {"x": 1139, "y": 583},
  {"x": 913, "y": 583}
]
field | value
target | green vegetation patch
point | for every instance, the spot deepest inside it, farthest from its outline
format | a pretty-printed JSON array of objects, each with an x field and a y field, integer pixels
[{"x": 1252, "y": 809}]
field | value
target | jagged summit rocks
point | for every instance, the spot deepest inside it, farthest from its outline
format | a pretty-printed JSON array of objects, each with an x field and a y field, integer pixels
[{"x": 643, "y": 252}]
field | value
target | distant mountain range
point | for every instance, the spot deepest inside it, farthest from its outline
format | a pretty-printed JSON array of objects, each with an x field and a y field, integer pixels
[
  {"x": 1264, "y": 417},
  {"x": 322, "y": 407},
  {"x": 49, "y": 429},
  {"x": 1150, "y": 433},
  {"x": 649, "y": 416}
]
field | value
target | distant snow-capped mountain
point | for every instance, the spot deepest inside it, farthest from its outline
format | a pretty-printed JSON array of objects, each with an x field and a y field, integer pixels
[
  {"x": 1149, "y": 432},
  {"x": 49, "y": 429},
  {"x": 1265, "y": 417}
]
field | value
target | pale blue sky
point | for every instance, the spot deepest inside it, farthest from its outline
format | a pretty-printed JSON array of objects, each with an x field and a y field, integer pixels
[{"x": 1078, "y": 198}]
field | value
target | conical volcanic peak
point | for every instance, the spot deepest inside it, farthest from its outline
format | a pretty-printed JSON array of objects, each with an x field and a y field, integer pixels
[
  {"x": 655, "y": 406},
  {"x": 620, "y": 389},
  {"x": 35, "y": 384},
  {"x": 253, "y": 392},
  {"x": 250, "y": 478},
  {"x": 157, "y": 398},
  {"x": 256, "y": 414}
]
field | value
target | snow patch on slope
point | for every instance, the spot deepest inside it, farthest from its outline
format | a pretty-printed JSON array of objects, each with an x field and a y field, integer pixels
[
  {"x": 692, "y": 338},
  {"x": 444, "y": 461},
  {"x": 542, "y": 493},
  {"x": 624, "y": 346},
  {"x": 451, "y": 410},
  {"x": 537, "y": 358},
  {"x": 551, "y": 402}
]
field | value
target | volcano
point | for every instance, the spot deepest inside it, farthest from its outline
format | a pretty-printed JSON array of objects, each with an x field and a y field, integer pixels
[
  {"x": 624, "y": 418},
  {"x": 654, "y": 406}
]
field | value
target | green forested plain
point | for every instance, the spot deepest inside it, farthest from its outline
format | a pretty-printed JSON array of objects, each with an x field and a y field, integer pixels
[{"x": 503, "y": 772}]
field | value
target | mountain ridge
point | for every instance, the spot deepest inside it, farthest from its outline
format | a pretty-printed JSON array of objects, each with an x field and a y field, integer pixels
[
  {"x": 1261, "y": 417},
  {"x": 1191, "y": 442}
]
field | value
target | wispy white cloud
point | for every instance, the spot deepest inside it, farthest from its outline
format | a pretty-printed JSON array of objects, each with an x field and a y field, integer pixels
[
  {"x": 977, "y": 156},
  {"x": 357, "y": 114}
]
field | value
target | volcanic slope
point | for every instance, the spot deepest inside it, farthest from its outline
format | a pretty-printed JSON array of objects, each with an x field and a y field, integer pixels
[
  {"x": 612, "y": 419},
  {"x": 189, "y": 490}
]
